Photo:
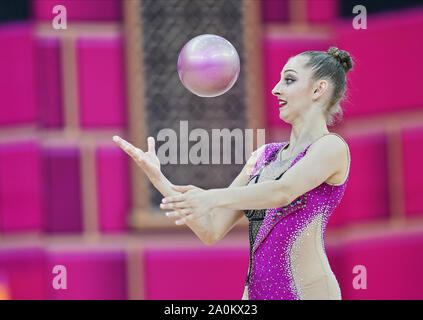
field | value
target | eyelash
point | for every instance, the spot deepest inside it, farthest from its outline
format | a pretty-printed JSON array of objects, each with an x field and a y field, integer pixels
[{"x": 286, "y": 80}]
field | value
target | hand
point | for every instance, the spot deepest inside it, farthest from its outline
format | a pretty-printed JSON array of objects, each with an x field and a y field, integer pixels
[
  {"x": 192, "y": 203},
  {"x": 148, "y": 161}
]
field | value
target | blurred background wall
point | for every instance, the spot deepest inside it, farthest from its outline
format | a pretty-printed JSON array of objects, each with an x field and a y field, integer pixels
[{"x": 69, "y": 196}]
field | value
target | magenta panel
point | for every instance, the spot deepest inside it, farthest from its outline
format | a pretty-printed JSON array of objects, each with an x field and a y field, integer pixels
[
  {"x": 276, "y": 52},
  {"x": 322, "y": 11},
  {"x": 112, "y": 188},
  {"x": 21, "y": 188},
  {"x": 412, "y": 159},
  {"x": 63, "y": 189},
  {"x": 195, "y": 273},
  {"x": 17, "y": 77},
  {"x": 49, "y": 82},
  {"x": 374, "y": 83},
  {"x": 274, "y": 10},
  {"x": 393, "y": 266},
  {"x": 104, "y": 10},
  {"x": 90, "y": 275},
  {"x": 101, "y": 82},
  {"x": 26, "y": 272},
  {"x": 367, "y": 195}
]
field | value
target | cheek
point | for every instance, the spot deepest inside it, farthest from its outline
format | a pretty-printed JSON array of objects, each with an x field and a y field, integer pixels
[
  {"x": 294, "y": 93},
  {"x": 297, "y": 98},
  {"x": 300, "y": 92}
]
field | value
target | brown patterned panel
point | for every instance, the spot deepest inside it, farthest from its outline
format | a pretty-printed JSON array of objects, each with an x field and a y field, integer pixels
[{"x": 166, "y": 25}]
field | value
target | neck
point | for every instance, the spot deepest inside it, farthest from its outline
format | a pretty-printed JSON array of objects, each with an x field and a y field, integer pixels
[{"x": 307, "y": 129}]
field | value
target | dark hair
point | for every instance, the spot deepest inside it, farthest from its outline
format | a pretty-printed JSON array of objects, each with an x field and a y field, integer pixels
[{"x": 332, "y": 65}]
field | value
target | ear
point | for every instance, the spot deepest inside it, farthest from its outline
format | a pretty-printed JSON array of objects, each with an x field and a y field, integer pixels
[{"x": 319, "y": 89}]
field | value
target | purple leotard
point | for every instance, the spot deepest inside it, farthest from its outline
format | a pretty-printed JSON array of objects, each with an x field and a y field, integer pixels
[{"x": 287, "y": 254}]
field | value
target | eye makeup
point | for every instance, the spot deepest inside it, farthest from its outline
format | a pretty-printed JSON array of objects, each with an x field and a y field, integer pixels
[{"x": 287, "y": 79}]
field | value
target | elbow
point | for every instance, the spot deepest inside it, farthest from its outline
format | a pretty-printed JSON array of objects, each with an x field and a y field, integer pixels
[
  {"x": 207, "y": 240},
  {"x": 208, "y": 243},
  {"x": 210, "y": 240}
]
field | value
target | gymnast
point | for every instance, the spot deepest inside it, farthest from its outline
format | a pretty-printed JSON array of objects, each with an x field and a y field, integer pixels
[{"x": 287, "y": 190}]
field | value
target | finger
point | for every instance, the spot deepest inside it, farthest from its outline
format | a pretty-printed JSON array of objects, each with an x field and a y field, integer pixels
[
  {"x": 181, "y": 221},
  {"x": 173, "y": 199},
  {"x": 151, "y": 144},
  {"x": 178, "y": 213},
  {"x": 183, "y": 189},
  {"x": 185, "y": 219},
  {"x": 174, "y": 206},
  {"x": 128, "y": 148}
]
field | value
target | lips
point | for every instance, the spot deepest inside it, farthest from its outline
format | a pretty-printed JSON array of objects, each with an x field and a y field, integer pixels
[{"x": 282, "y": 102}]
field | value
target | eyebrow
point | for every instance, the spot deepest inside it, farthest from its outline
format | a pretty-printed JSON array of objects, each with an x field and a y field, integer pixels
[{"x": 289, "y": 70}]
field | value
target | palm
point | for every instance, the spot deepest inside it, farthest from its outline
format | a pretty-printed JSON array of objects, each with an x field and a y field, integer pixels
[
  {"x": 152, "y": 163},
  {"x": 148, "y": 161}
]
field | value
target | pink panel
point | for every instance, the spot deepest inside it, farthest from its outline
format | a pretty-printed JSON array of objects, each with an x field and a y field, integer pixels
[
  {"x": 277, "y": 51},
  {"x": 49, "y": 90},
  {"x": 381, "y": 61},
  {"x": 101, "y": 82},
  {"x": 17, "y": 78},
  {"x": 322, "y": 11},
  {"x": 26, "y": 273},
  {"x": 104, "y": 10},
  {"x": 112, "y": 188},
  {"x": 393, "y": 265},
  {"x": 63, "y": 189},
  {"x": 367, "y": 194},
  {"x": 274, "y": 10},
  {"x": 90, "y": 275},
  {"x": 412, "y": 159},
  {"x": 21, "y": 193},
  {"x": 195, "y": 274}
]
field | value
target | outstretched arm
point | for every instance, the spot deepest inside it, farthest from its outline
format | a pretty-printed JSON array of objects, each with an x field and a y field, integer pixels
[
  {"x": 325, "y": 158},
  {"x": 150, "y": 163},
  {"x": 214, "y": 224}
]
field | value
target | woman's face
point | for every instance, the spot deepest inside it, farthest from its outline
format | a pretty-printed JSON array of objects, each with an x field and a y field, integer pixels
[{"x": 294, "y": 90}]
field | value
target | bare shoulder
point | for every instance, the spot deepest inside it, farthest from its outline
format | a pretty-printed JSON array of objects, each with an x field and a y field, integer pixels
[
  {"x": 332, "y": 141},
  {"x": 335, "y": 149},
  {"x": 323, "y": 161}
]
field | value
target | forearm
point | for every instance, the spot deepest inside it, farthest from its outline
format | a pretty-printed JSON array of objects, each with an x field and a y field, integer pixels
[
  {"x": 163, "y": 185},
  {"x": 269, "y": 194},
  {"x": 203, "y": 226}
]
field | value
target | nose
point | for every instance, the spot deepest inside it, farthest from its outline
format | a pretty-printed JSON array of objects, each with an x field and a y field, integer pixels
[{"x": 276, "y": 90}]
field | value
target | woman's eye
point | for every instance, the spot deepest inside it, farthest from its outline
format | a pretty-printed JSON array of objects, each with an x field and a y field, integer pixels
[{"x": 289, "y": 80}]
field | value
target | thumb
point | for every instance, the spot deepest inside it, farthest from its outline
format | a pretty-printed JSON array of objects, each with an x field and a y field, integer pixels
[
  {"x": 151, "y": 144},
  {"x": 182, "y": 189}
]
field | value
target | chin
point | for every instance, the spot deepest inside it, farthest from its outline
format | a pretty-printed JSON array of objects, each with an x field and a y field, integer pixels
[{"x": 284, "y": 117}]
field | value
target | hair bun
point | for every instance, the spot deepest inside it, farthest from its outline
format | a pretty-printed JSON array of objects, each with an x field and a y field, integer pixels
[{"x": 342, "y": 56}]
